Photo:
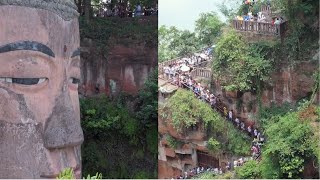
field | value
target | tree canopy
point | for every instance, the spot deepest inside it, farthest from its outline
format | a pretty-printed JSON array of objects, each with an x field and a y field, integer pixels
[
  {"x": 174, "y": 42},
  {"x": 240, "y": 64},
  {"x": 185, "y": 110},
  {"x": 208, "y": 28}
]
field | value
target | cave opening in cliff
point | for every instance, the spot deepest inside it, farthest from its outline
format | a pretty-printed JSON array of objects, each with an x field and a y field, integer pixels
[{"x": 207, "y": 160}]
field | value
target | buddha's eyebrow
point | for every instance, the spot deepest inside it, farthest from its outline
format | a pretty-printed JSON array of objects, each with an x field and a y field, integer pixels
[
  {"x": 27, "y": 45},
  {"x": 76, "y": 53}
]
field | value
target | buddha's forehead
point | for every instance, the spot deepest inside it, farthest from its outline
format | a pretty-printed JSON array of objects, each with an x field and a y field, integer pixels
[{"x": 30, "y": 24}]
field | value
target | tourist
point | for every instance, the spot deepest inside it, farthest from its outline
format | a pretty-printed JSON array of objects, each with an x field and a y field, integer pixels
[
  {"x": 228, "y": 167},
  {"x": 254, "y": 150},
  {"x": 138, "y": 10},
  {"x": 230, "y": 115},
  {"x": 166, "y": 72},
  {"x": 237, "y": 121},
  {"x": 261, "y": 139},
  {"x": 277, "y": 21},
  {"x": 225, "y": 112},
  {"x": 171, "y": 71},
  {"x": 255, "y": 132},
  {"x": 235, "y": 163},
  {"x": 249, "y": 130},
  {"x": 242, "y": 125},
  {"x": 255, "y": 141},
  {"x": 241, "y": 161}
]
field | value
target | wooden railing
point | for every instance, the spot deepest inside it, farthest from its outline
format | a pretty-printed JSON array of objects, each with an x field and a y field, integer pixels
[
  {"x": 265, "y": 8},
  {"x": 200, "y": 72},
  {"x": 260, "y": 27}
]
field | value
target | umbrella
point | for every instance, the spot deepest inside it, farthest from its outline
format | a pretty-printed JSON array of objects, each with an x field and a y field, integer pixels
[{"x": 185, "y": 68}]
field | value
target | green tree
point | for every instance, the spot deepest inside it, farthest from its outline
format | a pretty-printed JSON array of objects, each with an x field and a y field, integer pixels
[
  {"x": 185, "y": 110},
  {"x": 241, "y": 66},
  {"x": 290, "y": 142},
  {"x": 213, "y": 145},
  {"x": 208, "y": 28},
  {"x": 165, "y": 38},
  {"x": 185, "y": 43},
  {"x": 250, "y": 170}
]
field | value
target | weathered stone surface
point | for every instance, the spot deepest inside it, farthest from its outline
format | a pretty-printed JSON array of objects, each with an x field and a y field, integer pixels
[
  {"x": 64, "y": 8},
  {"x": 167, "y": 172},
  {"x": 285, "y": 85},
  {"x": 40, "y": 133},
  {"x": 170, "y": 152},
  {"x": 125, "y": 69},
  {"x": 231, "y": 94}
]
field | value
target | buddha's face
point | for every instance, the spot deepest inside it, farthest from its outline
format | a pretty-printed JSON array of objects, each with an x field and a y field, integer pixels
[{"x": 40, "y": 133}]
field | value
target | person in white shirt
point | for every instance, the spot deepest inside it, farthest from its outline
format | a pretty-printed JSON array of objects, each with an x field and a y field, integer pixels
[{"x": 230, "y": 115}]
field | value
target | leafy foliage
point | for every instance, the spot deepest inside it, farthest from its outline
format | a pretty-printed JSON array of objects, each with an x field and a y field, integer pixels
[
  {"x": 213, "y": 145},
  {"x": 97, "y": 176},
  {"x": 250, "y": 170},
  {"x": 236, "y": 142},
  {"x": 172, "y": 142},
  {"x": 100, "y": 30},
  {"x": 289, "y": 145},
  {"x": 119, "y": 137},
  {"x": 174, "y": 42},
  {"x": 206, "y": 175},
  {"x": 208, "y": 27},
  {"x": 186, "y": 110},
  {"x": 67, "y": 173},
  {"x": 241, "y": 65}
]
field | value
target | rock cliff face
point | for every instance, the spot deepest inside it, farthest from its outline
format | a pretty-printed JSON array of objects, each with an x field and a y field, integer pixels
[
  {"x": 123, "y": 63},
  {"x": 125, "y": 69},
  {"x": 286, "y": 84}
]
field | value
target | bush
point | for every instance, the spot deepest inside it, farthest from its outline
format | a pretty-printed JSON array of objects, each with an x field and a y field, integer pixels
[
  {"x": 213, "y": 145},
  {"x": 237, "y": 142},
  {"x": 250, "y": 170},
  {"x": 185, "y": 110},
  {"x": 289, "y": 145}
]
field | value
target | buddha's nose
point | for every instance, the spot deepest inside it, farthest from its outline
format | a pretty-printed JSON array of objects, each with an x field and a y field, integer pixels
[{"x": 62, "y": 128}]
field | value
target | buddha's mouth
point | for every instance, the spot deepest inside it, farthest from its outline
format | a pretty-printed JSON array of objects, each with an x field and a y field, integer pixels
[{"x": 76, "y": 173}]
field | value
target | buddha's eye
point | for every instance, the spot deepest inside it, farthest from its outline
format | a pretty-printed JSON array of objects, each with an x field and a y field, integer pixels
[
  {"x": 74, "y": 80},
  {"x": 24, "y": 81}
]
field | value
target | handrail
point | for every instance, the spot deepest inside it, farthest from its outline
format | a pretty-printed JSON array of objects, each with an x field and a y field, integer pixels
[
  {"x": 266, "y": 28},
  {"x": 200, "y": 72}
]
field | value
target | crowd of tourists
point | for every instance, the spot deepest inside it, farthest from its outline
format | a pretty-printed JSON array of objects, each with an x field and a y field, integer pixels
[
  {"x": 177, "y": 75},
  {"x": 263, "y": 16},
  {"x": 123, "y": 10},
  {"x": 186, "y": 65},
  {"x": 197, "y": 171}
]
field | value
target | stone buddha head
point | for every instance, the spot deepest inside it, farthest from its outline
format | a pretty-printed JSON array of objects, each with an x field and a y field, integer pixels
[{"x": 40, "y": 132}]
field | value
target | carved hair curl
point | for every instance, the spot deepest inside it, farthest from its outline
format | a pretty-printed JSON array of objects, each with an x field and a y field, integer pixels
[{"x": 64, "y": 8}]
